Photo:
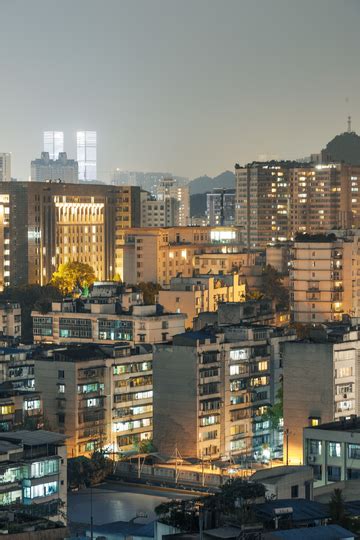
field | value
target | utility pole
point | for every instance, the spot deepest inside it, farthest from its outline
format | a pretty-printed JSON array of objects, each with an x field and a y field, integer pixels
[
  {"x": 91, "y": 515},
  {"x": 286, "y": 433}
]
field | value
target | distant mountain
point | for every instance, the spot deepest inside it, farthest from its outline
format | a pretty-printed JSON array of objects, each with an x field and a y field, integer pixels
[{"x": 204, "y": 184}]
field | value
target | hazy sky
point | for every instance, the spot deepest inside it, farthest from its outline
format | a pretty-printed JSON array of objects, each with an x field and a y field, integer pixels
[{"x": 188, "y": 86}]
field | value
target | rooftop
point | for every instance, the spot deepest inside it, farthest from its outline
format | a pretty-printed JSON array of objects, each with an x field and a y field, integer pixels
[
  {"x": 274, "y": 473},
  {"x": 352, "y": 425},
  {"x": 324, "y": 532},
  {"x": 303, "y": 510},
  {"x": 32, "y": 438}
]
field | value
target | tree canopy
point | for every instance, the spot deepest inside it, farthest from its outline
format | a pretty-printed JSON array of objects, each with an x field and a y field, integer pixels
[
  {"x": 71, "y": 275},
  {"x": 272, "y": 287},
  {"x": 30, "y": 297},
  {"x": 149, "y": 290}
]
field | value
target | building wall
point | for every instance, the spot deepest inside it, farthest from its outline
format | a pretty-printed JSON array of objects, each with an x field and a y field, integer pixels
[
  {"x": 175, "y": 401},
  {"x": 44, "y": 224},
  {"x": 323, "y": 280},
  {"x": 308, "y": 390}
]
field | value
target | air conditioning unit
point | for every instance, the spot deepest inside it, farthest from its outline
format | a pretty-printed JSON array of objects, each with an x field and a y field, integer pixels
[
  {"x": 311, "y": 459},
  {"x": 345, "y": 396}
]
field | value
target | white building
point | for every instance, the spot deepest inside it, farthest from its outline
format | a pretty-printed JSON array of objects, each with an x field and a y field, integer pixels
[
  {"x": 86, "y": 154},
  {"x": 169, "y": 188},
  {"x": 10, "y": 320},
  {"x": 5, "y": 167}
]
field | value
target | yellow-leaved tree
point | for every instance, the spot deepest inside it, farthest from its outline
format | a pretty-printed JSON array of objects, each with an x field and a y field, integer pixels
[{"x": 71, "y": 275}]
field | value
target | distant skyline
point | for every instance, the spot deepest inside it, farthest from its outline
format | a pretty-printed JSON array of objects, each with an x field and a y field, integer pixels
[{"x": 181, "y": 86}]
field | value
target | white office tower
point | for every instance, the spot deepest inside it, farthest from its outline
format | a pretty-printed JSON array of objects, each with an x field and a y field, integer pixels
[
  {"x": 5, "y": 167},
  {"x": 53, "y": 143},
  {"x": 86, "y": 154}
]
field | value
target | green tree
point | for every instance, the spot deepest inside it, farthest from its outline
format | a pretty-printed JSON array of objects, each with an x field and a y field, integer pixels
[
  {"x": 30, "y": 297},
  {"x": 275, "y": 412},
  {"x": 337, "y": 507},
  {"x": 149, "y": 290},
  {"x": 272, "y": 287},
  {"x": 71, "y": 275}
]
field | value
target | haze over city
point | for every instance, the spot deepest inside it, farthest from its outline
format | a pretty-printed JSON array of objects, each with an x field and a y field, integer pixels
[{"x": 186, "y": 87}]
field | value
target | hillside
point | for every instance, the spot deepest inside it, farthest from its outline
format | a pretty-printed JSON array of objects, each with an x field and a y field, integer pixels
[{"x": 203, "y": 184}]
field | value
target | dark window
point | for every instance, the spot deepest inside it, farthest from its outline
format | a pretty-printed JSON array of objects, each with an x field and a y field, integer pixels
[
  {"x": 334, "y": 474},
  {"x": 61, "y": 374},
  {"x": 317, "y": 472},
  {"x": 294, "y": 492},
  {"x": 353, "y": 474},
  {"x": 61, "y": 417},
  {"x": 164, "y": 336}
]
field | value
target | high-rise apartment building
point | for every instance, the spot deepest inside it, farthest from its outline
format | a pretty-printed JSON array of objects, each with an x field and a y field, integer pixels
[
  {"x": 45, "y": 224},
  {"x": 59, "y": 169},
  {"x": 220, "y": 207},
  {"x": 212, "y": 389},
  {"x": 86, "y": 154},
  {"x": 324, "y": 282},
  {"x": 5, "y": 167},
  {"x": 54, "y": 143},
  {"x": 100, "y": 397},
  {"x": 155, "y": 213},
  {"x": 169, "y": 188},
  {"x": 276, "y": 200}
]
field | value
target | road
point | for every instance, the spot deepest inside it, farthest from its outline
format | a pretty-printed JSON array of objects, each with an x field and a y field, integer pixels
[{"x": 117, "y": 502}]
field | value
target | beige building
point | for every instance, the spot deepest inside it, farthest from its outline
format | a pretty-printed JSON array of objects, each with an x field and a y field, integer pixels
[
  {"x": 10, "y": 320},
  {"x": 45, "y": 224},
  {"x": 194, "y": 295},
  {"x": 67, "y": 323},
  {"x": 324, "y": 278},
  {"x": 323, "y": 390},
  {"x": 211, "y": 391},
  {"x": 158, "y": 213},
  {"x": 159, "y": 254},
  {"x": 275, "y": 200},
  {"x": 100, "y": 397}
]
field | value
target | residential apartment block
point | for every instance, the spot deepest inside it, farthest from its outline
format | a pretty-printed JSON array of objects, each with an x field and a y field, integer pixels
[
  {"x": 170, "y": 188},
  {"x": 59, "y": 168},
  {"x": 45, "y": 224},
  {"x": 99, "y": 396},
  {"x": 10, "y": 321},
  {"x": 158, "y": 213},
  {"x": 33, "y": 473},
  {"x": 220, "y": 207},
  {"x": 321, "y": 381},
  {"x": 159, "y": 254},
  {"x": 276, "y": 200},
  {"x": 325, "y": 277},
  {"x": 212, "y": 389},
  {"x": 203, "y": 293}
]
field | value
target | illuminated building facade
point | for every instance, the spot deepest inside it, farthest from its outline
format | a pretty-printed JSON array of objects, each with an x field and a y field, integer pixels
[
  {"x": 323, "y": 278},
  {"x": 86, "y": 154},
  {"x": 212, "y": 389},
  {"x": 321, "y": 381},
  {"x": 100, "y": 397},
  {"x": 276, "y": 200},
  {"x": 53, "y": 143},
  {"x": 159, "y": 254},
  {"x": 45, "y": 224}
]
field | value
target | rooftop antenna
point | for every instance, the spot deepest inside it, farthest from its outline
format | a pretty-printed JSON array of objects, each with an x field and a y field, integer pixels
[{"x": 349, "y": 124}]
